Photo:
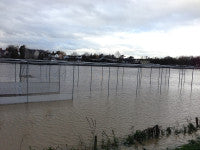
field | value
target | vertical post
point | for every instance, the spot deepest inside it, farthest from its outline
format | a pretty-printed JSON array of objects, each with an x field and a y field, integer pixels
[
  {"x": 27, "y": 79},
  {"x": 20, "y": 72},
  {"x": 140, "y": 76},
  {"x": 73, "y": 84},
  {"x": 40, "y": 73},
  {"x": 15, "y": 73},
  {"x": 90, "y": 79},
  {"x": 179, "y": 77},
  {"x": 49, "y": 73},
  {"x": 117, "y": 77},
  {"x": 165, "y": 75},
  {"x": 95, "y": 142},
  {"x": 137, "y": 82},
  {"x": 108, "y": 81},
  {"x": 123, "y": 77},
  {"x": 197, "y": 122},
  {"x": 169, "y": 76},
  {"x": 192, "y": 78},
  {"x": 184, "y": 77},
  {"x": 59, "y": 77},
  {"x": 78, "y": 76},
  {"x": 150, "y": 75},
  {"x": 159, "y": 78},
  {"x": 102, "y": 78}
]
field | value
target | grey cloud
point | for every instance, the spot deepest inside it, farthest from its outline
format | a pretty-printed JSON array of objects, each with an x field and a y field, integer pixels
[{"x": 54, "y": 23}]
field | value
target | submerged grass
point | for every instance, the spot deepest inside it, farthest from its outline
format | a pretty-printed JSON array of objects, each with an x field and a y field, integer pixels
[
  {"x": 139, "y": 137},
  {"x": 192, "y": 145}
]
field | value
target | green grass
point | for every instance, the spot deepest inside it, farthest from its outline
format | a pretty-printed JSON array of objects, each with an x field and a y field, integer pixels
[{"x": 192, "y": 145}]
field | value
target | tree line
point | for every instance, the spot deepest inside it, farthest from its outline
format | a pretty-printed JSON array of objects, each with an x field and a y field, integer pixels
[{"x": 23, "y": 52}]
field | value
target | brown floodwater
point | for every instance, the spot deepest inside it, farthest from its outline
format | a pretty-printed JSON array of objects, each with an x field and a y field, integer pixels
[{"x": 119, "y": 99}]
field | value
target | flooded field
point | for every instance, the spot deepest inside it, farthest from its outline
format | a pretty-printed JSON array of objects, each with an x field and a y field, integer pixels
[{"x": 116, "y": 98}]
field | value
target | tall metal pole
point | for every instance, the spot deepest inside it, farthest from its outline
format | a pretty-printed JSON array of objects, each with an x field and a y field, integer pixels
[
  {"x": 150, "y": 74},
  {"x": 20, "y": 72},
  {"x": 108, "y": 81},
  {"x": 192, "y": 78},
  {"x": 102, "y": 78},
  {"x": 73, "y": 84},
  {"x": 159, "y": 78},
  {"x": 123, "y": 77},
  {"x": 90, "y": 79},
  {"x": 15, "y": 73},
  {"x": 117, "y": 77},
  {"x": 169, "y": 76},
  {"x": 27, "y": 80},
  {"x": 78, "y": 76},
  {"x": 49, "y": 73},
  {"x": 40, "y": 73},
  {"x": 59, "y": 77}
]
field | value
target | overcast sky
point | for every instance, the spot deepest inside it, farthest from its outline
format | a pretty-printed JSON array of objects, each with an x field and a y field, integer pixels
[{"x": 132, "y": 27}]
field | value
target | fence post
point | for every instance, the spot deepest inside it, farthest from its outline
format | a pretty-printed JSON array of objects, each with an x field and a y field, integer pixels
[
  {"x": 95, "y": 142},
  {"x": 91, "y": 80},
  {"x": 123, "y": 77},
  {"x": 197, "y": 122},
  {"x": 108, "y": 81},
  {"x": 102, "y": 78},
  {"x": 15, "y": 73},
  {"x": 117, "y": 77},
  {"x": 20, "y": 72},
  {"x": 27, "y": 79},
  {"x": 78, "y": 75},
  {"x": 150, "y": 74},
  {"x": 73, "y": 84},
  {"x": 49, "y": 73},
  {"x": 59, "y": 77}
]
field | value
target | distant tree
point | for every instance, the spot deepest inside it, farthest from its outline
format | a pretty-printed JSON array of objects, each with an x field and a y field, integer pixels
[
  {"x": 12, "y": 51},
  {"x": 22, "y": 50}
]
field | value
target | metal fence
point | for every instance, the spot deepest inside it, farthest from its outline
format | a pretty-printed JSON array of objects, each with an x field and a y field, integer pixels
[
  {"x": 33, "y": 81},
  {"x": 29, "y": 81}
]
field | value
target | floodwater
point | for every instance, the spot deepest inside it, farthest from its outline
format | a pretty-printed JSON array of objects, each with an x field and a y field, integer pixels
[{"x": 113, "y": 98}]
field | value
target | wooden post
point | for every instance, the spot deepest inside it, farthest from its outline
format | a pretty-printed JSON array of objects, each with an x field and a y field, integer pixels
[
  {"x": 95, "y": 142},
  {"x": 197, "y": 122}
]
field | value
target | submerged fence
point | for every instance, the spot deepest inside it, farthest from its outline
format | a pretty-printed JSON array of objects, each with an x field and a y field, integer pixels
[
  {"x": 29, "y": 81},
  {"x": 32, "y": 81}
]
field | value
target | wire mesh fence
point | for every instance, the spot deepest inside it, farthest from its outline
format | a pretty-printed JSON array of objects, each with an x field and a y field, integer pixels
[{"x": 32, "y": 81}]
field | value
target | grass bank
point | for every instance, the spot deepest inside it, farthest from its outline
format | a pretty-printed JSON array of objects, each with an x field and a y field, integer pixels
[
  {"x": 192, "y": 145},
  {"x": 135, "y": 138}
]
